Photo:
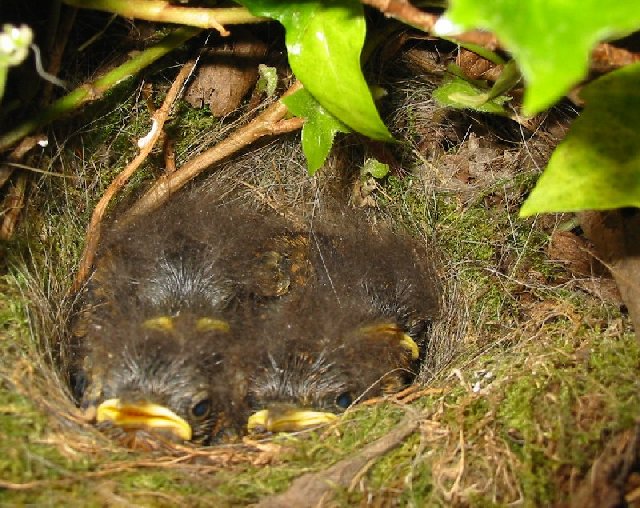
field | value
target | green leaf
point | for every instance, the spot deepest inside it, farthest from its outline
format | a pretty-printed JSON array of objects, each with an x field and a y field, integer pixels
[
  {"x": 375, "y": 168},
  {"x": 550, "y": 39},
  {"x": 461, "y": 94},
  {"x": 268, "y": 80},
  {"x": 3, "y": 79},
  {"x": 319, "y": 129},
  {"x": 324, "y": 41},
  {"x": 509, "y": 77},
  {"x": 597, "y": 167}
]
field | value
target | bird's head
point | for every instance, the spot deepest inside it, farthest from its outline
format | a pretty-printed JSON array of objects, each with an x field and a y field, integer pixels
[
  {"x": 308, "y": 381},
  {"x": 157, "y": 375}
]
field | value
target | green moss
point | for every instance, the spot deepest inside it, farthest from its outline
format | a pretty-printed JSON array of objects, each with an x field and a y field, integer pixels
[
  {"x": 555, "y": 411},
  {"x": 245, "y": 487}
]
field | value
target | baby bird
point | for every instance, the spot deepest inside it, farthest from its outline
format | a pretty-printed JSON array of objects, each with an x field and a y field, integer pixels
[
  {"x": 354, "y": 331},
  {"x": 156, "y": 374},
  {"x": 157, "y": 345}
]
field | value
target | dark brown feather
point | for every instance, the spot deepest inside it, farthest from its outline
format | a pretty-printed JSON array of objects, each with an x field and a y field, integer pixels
[
  {"x": 144, "y": 331},
  {"x": 341, "y": 337}
]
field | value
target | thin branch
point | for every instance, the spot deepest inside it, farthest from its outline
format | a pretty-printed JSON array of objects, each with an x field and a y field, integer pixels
[
  {"x": 17, "y": 155},
  {"x": 13, "y": 203},
  {"x": 146, "y": 145},
  {"x": 165, "y": 12},
  {"x": 607, "y": 57},
  {"x": 92, "y": 91},
  {"x": 268, "y": 123},
  {"x": 403, "y": 11},
  {"x": 38, "y": 170}
]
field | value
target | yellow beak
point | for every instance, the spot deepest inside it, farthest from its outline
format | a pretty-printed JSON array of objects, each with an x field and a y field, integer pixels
[
  {"x": 390, "y": 330},
  {"x": 288, "y": 420},
  {"x": 143, "y": 416},
  {"x": 408, "y": 343}
]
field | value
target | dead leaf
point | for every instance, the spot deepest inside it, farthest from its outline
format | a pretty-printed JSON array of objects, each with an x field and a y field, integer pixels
[
  {"x": 576, "y": 254},
  {"x": 476, "y": 67},
  {"x": 226, "y": 74}
]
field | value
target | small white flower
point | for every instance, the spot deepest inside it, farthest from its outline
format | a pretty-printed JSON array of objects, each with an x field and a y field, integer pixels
[
  {"x": 7, "y": 45},
  {"x": 14, "y": 43}
]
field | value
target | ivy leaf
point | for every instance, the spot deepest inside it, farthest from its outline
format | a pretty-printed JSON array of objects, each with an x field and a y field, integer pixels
[
  {"x": 550, "y": 39},
  {"x": 319, "y": 129},
  {"x": 375, "y": 168},
  {"x": 597, "y": 166},
  {"x": 324, "y": 41},
  {"x": 461, "y": 94},
  {"x": 268, "y": 80}
]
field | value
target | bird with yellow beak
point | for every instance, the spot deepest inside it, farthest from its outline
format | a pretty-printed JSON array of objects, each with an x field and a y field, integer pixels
[
  {"x": 354, "y": 331},
  {"x": 157, "y": 348}
]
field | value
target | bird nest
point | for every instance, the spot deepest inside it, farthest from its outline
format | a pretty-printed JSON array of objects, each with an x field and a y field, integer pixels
[{"x": 455, "y": 185}]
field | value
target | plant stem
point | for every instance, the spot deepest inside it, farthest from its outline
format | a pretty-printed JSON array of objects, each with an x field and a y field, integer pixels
[
  {"x": 165, "y": 12},
  {"x": 92, "y": 91}
]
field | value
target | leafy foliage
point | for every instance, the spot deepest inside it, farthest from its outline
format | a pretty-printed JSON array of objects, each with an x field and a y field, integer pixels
[
  {"x": 460, "y": 93},
  {"x": 268, "y": 80},
  {"x": 598, "y": 165},
  {"x": 550, "y": 39},
  {"x": 324, "y": 41},
  {"x": 375, "y": 168},
  {"x": 320, "y": 127}
]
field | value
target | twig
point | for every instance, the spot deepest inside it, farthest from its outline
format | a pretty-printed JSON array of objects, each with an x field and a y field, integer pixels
[
  {"x": 479, "y": 38},
  {"x": 93, "y": 230},
  {"x": 13, "y": 203},
  {"x": 405, "y": 396},
  {"x": 168, "y": 144},
  {"x": 37, "y": 170},
  {"x": 38, "y": 484},
  {"x": 165, "y": 12},
  {"x": 403, "y": 11},
  {"x": 267, "y": 123},
  {"x": 96, "y": 35},
  {"x": 92, "y": 91},
  {"x": 309, "y": 488},
  {"x": 455, "y": 488},
  {"x": 18, "y": 153},
  {"x": 607, "y": 57}
]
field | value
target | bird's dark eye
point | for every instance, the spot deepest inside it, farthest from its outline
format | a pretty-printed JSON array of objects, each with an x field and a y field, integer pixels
[
  {"x": 344, "y": 400},
  {"x": 251, "y": 401},
  {"x": 79, "y": 384},
  {"x": 201, "y": 409}
]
